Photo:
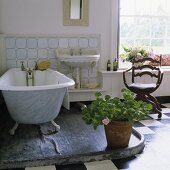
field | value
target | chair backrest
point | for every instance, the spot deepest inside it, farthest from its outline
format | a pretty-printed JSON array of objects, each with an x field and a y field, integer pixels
[{"x": 146, "y": 66}]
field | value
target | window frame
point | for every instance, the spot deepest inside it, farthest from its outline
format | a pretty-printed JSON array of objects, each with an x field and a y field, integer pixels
[{"x": 150, "y": 38}]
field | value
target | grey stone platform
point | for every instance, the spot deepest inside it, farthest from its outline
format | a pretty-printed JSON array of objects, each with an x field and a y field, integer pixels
[{"x": 75, "y": 142}]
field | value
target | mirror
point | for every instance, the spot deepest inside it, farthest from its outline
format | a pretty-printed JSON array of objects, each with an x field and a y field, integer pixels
[
  {"x": 75, "y": 9},
  {"x": 75, "y": 12}
]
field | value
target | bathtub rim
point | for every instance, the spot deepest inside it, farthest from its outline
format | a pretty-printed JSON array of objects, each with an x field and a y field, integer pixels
[{"x": 31, "y": 88}]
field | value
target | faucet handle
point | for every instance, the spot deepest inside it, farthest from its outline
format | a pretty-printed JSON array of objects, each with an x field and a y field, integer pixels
[
  {"x": 22, "y": 66},
  {"x": 36, "y": 65}
]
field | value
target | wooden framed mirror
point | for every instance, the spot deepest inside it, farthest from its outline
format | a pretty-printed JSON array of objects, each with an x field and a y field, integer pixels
[{"x": 76, "y": 12}]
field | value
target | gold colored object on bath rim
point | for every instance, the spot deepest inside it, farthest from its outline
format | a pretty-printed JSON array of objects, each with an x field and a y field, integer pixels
[{"x": 43, "y": 65}]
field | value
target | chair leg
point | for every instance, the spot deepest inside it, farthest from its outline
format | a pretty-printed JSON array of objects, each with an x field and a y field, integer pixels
[
  {"x": 155, "y": 101},
  {"x": 150, "y": 99},
  {"x": 141, "y": 97},
  {"x": 156, "y": 106}
]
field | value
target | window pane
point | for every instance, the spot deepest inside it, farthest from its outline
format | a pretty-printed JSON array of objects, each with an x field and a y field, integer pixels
[
  {"x": 142, "y": 26},
  {"x": 127, "y": 8},
  {"x": 127, "y": 25},
  {"x": 143, "y": 42},
  {"x": 146, "y": 23},
  {"x": 129, "y": 42},
  {"x": 168, "y": 27},
  {"x": 142, "y": 7},
  {"x": 168, "y": 43},
  {"x": 158, "y": 27},
  {"x": 157, "y": 42},
  {"x": 159, "y": 7}
]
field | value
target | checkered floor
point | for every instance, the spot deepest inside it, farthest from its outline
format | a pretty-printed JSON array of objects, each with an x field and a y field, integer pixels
[
  {"x": 145, "y": 126},
  {"x": 154, "y": 157}
]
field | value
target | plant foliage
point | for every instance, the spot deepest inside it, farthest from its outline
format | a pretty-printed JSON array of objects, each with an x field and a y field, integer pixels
[
  {"x": 132, "y": 53},
  {"x": 125, "y": 109}
]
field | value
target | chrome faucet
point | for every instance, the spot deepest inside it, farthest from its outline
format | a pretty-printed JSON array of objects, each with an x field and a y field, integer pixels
[
  {"x": 30, "y": 77},
  {"x": 22, "y": 66},
  {"x": 36, "y": 66}
]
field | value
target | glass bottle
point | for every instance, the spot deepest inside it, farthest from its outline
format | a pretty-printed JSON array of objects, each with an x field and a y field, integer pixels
[
  {"x": 108, "y": 65},
  {"x": 115, "y": 65}
]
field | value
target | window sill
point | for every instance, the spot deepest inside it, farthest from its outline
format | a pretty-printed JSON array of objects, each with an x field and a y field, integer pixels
[{"x": 165, "y": 69}]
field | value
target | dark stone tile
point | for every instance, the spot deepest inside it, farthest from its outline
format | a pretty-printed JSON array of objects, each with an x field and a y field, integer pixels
[
  {"x": 15, "y": 169},
  {"x": 163, "y": 99},
  {"x": 138, "y": 124},
  {"x": 164, "y": 121},
  {"x": 124, "y": 163},
  {"x": 167, "y": 114},
  {"x": 156, "y": 129},
  {"x": 75, "y": 142}
]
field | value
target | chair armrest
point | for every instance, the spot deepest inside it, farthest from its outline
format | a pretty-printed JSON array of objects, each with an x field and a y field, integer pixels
[{"x": 160, "y": 78}]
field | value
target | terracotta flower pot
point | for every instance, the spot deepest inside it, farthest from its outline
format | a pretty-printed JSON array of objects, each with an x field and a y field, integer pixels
[{"x": 118, "y": 133}]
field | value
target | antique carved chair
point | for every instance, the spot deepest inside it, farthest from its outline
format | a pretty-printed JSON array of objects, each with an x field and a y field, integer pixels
[{"x": 146, "y": 76}]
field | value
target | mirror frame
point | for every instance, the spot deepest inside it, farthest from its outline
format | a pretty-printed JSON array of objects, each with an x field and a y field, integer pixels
[{"x": 75, "y": 22}]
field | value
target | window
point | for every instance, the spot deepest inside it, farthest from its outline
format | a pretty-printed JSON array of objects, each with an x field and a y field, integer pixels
[{"x": 146, "y": 23}]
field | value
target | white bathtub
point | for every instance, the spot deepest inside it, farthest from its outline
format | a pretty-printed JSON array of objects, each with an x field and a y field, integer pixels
[{"x": 34, "y": 104}]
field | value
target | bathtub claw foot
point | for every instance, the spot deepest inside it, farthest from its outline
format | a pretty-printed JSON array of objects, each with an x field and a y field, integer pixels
[
  {"x": 55, "y": 124},
  {"x": 12, "y": 131}
]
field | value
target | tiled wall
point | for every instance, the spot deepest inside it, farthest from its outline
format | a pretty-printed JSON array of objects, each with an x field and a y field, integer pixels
[{"x": 30, "y": 49}]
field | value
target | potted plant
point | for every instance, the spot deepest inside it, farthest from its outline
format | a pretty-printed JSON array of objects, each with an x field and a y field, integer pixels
[
  {"x": 117, "y": 115},
  {"x": 134, "y": 52}
]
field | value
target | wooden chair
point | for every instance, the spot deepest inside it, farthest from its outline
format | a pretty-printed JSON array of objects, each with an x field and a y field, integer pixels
[{"x": 142, "y": 68}]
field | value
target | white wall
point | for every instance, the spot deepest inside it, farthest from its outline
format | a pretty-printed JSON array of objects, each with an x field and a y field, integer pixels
[{"x": 46, "y": 17}]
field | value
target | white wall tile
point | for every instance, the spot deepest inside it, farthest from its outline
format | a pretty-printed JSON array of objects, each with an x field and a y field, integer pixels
[
  {"x": 21, "y": 54},
  {"x": 83, "y": 43},
  {"x": 31, "y": 49},
  {"x": 10, "y": 42},
  {"x": 42, "y": 53},
  {"x": 53, "y": 63},
  {"x": 11, "y": 63},
  {"x": 52, "y": 53},
  {"x": 42, "y": 43},
  {"x": 32, "y": 43},
  {"x": 32, "y": 53},
  {"x": 31, "y": 63},
  {"x": 21, "y": 43},
  {"x": 10, "y": 54},
  {"x": 93, "y": 42},
  {"x": 53, "y": 43},
  {"x": 63, "y": 43},
  {"x": 73, "y": 42}
]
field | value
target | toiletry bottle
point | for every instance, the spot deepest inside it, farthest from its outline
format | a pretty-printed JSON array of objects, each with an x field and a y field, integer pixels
[
  {"x": 115, "y": 65},
  {"x": 108, "y": 65}
]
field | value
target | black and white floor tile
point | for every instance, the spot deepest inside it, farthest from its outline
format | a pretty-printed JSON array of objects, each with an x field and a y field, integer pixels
[{"x": 155, "y": 155}]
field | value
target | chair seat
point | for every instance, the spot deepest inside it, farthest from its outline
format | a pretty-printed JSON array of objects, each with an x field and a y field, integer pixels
[{"x": 142, "y": 86}]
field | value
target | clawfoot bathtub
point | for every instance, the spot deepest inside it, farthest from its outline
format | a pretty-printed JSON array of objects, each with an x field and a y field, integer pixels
[{"x": 35, "y": 104}]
